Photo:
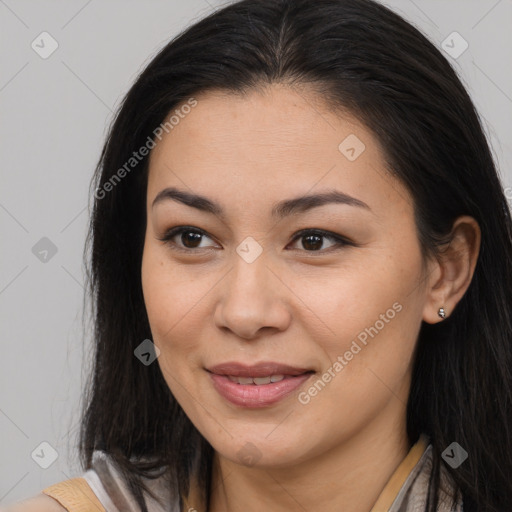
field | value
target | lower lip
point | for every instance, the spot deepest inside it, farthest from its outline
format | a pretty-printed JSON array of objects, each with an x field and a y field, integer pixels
[{"x": 252, "y": 395}]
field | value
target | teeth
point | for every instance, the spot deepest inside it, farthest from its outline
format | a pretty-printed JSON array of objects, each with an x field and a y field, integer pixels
[
  {"x": 258, "y": 381},
  {"x": 262, "y": 380}
]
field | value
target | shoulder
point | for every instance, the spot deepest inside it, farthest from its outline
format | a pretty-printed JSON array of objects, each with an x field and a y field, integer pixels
[
  {"x": 66, "y": 495},
  {"x": 38, "y": 503}
]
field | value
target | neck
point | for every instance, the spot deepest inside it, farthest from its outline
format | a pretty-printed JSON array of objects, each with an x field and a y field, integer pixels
[{"x": 349, "y": 477}]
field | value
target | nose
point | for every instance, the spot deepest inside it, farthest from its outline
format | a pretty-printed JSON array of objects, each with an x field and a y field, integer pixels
[{"x": 252, "y": 300}]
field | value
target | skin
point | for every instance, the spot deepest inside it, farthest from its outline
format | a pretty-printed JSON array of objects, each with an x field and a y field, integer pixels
[{"x": 292, "y": 304}]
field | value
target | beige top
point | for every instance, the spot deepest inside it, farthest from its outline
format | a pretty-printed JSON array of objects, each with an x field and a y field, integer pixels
[{"x": 101, "y": 488}]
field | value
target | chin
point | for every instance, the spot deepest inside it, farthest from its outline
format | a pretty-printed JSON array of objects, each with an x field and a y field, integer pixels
[{"x": 252, "y": 449}]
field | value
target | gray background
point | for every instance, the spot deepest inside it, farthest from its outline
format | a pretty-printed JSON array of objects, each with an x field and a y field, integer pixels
[{"x": 54, "y": 115}]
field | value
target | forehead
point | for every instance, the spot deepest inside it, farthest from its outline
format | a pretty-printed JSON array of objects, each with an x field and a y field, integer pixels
[
  {"x": 268, "y": 142},
  {"x": 277, "y": 121}
]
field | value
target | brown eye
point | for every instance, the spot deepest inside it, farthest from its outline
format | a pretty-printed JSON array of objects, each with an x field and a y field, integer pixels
[
  {"x": 189, "y": 238},
  {"x": 313, "y": 240}
]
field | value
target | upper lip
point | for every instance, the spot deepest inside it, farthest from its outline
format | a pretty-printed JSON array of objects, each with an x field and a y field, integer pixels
[{"x": 262, "y": 369}]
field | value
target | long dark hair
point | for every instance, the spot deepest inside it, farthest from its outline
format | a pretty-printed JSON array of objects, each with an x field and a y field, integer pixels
[{"x": 362, "y": 57}]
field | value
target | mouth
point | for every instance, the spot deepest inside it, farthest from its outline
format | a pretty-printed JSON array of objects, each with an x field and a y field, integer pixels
[
  {"x": 258, "y": 381},
  {"x": 257, "y": 385}
]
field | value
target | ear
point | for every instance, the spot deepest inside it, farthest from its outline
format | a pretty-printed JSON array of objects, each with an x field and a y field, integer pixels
[{"x": 450, "y": 275}]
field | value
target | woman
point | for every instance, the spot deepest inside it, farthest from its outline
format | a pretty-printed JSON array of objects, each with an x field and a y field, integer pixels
[{"x": 301, "y": 272}]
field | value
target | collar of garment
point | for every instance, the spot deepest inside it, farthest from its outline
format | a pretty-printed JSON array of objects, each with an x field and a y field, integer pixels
[{"x": 405, "y": 491}]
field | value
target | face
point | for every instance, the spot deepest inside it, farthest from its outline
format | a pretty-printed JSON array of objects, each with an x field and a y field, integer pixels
[{"x": 319, "y": 301}]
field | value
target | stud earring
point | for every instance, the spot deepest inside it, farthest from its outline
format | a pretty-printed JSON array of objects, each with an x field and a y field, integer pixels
[{"x": 441, "y": 313}]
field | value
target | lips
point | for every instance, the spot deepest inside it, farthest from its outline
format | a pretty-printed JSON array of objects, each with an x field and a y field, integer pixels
[
  {"x": 264, "y": 369},
  {"x": 257, "y": 385}
]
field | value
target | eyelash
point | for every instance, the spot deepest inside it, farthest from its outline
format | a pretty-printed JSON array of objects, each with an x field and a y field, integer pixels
[{"x": 173, "y": 232}]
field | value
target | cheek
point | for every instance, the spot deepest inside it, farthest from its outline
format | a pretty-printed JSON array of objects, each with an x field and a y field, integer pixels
[
  {"x": 165, "y": 295},
  {"x": 373, "y": 312},
  {"x": 175, "y": 307}
]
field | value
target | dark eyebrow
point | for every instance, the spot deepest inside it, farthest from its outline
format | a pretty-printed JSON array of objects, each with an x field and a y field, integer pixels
[{"x": 280, "y": 210}]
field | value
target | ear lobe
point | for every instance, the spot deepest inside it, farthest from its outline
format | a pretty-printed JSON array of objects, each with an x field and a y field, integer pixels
[{"x": 456, "y": 263}]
